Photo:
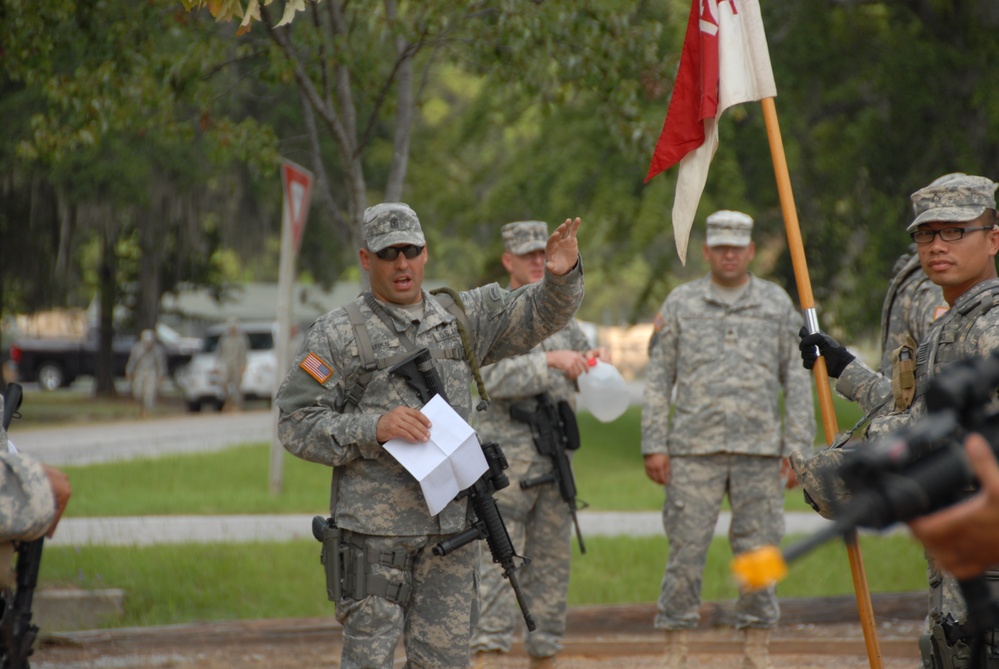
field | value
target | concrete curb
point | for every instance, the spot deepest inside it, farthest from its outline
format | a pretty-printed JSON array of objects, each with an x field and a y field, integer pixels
[{"x": 151, "y": 530}]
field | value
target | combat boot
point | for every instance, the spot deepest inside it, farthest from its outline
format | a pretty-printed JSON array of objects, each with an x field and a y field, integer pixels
[
  {"x": 676, "y": 649},
  {"x": 548, "y": 662},
  {"x": 757, "y": 649},
  {"x": 487, "y": 659}
]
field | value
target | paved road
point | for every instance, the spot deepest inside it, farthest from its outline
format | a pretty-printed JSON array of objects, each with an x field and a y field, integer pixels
[
  {"x": 88, "y": 444},
  {"x": 106, "y": 442}
]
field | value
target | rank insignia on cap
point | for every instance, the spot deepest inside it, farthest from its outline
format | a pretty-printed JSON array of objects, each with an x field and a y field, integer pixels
[{"x": 316, "y": 368}]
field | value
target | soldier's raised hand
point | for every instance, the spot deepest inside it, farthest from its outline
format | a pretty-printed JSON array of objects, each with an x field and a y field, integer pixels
[{"x": 562, "y": 250}]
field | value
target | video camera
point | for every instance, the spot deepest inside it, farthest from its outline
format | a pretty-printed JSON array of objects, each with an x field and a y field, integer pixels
[{"x": 913, "y": 472}]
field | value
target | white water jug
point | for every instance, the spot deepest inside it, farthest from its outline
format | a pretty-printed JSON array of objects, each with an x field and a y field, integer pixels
[{"x": 603, "y": 390}]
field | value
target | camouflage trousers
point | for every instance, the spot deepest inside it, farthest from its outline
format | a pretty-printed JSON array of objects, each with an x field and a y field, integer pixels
[
  {"x": 144, "y": 389},
  {"x": 694, "y": 495},
  {"x": 435, "y": 622},
  {"x": 540, "y": 528},
  {"x": 944, "y": 595},
  {"x": 231, "y": 382}
]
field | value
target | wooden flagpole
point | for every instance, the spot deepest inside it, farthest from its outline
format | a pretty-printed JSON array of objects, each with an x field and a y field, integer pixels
[{"x": 820, "y": 372}]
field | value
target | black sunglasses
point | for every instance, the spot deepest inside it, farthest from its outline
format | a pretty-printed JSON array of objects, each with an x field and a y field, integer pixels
[{"x": 392, "y": 252}]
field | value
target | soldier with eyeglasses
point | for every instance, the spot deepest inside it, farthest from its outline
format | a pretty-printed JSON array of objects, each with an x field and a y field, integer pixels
[
  {"x": 339, "y": 404},
  {"x": 957, "y": 239}
]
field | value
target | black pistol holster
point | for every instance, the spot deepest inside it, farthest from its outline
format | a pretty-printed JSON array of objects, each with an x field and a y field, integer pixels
[
  {"x": 942, "y": 649},
  {"x": 347, "y": 562}
]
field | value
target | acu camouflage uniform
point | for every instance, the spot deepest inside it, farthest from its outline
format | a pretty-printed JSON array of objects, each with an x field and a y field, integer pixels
[
  {"x": 379, "y": 503},
  {"x": 969, "y": 328},
  {"x": 27, "y": 504},
  {"x": 727, "y": 364},
  {"x": 145, "y": 367},
  {"x": 537, "y": 518},
  {"x": 231, "y": 360},
  {"x": 912, "y": 303}
]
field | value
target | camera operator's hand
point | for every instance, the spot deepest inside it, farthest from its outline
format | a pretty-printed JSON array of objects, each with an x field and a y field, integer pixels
[
  {"x": 964, "y": 539},
  {"x": 837, "y": 356}
]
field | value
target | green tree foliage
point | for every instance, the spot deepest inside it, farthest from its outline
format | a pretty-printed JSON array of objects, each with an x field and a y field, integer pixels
[
  {"x": 513, "y": 109},
  {"x": 125, "y": 139},
  {"x": 877, "y": 99}
]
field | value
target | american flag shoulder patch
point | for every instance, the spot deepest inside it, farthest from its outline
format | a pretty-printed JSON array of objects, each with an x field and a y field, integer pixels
[
  {"x": 658, "y": 323},
  {"x": 316, "y": 368}
]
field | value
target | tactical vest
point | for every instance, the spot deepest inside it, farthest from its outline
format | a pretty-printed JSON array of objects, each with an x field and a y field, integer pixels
[
  {"x": 945, "y": 344},
  {"x": 369, "y": 363}
]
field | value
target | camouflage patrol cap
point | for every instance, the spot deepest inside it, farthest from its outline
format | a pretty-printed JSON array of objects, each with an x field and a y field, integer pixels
[
  {"x": 729, "y": 228},
  {"x": 522, "y": 237},
  {"x": 390, "y": 224},
  {"x": 955, "y": 197}
]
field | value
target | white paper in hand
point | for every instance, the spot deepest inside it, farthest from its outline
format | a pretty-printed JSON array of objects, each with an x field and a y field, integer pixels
[{"x": 450, "y": 461}]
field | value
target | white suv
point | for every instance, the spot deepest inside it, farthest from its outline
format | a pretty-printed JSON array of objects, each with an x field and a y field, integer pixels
[{"x": 199, "y": 379}]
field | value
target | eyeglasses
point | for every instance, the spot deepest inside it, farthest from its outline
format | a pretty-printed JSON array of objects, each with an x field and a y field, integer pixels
[
  {"x": 946, "y": 234},
  {"x": 392, "y": 252}
]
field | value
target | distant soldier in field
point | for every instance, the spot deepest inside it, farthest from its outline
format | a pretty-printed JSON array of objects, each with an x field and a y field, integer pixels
[
  {"x": 234, "y": 347},
  {"x": 145, "y": 368}
]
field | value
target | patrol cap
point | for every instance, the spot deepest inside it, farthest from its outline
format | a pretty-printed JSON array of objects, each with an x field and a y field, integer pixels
[
  {"x": 955, "y": 197},
  {"x": 389, "y": 224},
  {"x": 729, "y": 228},
  {"x": 522, "y": 237}
]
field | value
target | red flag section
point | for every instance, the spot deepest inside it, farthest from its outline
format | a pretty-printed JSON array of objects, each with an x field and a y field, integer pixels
[
  {"x": 724, "y": 62},
  {"x": 694, "y": 98}
]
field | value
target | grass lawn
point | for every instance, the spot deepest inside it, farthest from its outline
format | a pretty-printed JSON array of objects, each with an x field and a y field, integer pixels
[{"x": 185, "y": 583}]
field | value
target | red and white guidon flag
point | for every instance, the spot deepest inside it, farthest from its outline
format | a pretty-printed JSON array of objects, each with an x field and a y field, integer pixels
[{"x": 724, "y": 62}]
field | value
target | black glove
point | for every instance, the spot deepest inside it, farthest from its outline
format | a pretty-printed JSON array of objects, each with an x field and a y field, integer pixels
[{"x": 836, "y": 355}]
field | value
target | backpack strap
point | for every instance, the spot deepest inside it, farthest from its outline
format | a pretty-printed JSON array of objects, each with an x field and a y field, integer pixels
[
  {"x": 369, "y": 364},
  {"x": 365, "y": 351},
  {"x": 451, "y": 301}
]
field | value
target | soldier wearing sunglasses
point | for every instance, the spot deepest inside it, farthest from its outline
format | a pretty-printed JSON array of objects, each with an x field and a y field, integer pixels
[{"x": 339, "y": 404}]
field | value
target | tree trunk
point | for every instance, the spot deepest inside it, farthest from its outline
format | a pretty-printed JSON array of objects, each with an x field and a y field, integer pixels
[
  {"x": 150, "y": 263},
  {"x": 104, "y": 365}
]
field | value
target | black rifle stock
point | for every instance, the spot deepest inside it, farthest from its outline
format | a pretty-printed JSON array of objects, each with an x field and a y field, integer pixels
[
  {"x": 921, "y": 469},
  {"x": 419, "y": 372},
  {"x": 17, "y": 634},
  {"x": 555, "y": 434}
]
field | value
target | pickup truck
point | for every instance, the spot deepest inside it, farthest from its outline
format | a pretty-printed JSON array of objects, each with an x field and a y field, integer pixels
[{"x": 57, "y": 362}]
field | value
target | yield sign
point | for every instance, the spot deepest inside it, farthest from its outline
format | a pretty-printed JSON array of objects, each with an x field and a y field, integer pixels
[{"x": 297, "y": 182}]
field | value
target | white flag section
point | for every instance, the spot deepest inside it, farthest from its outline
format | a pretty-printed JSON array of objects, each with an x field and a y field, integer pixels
[
  {"x": 744, "y": 74},
  {"x": 450, "y": 461}
]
